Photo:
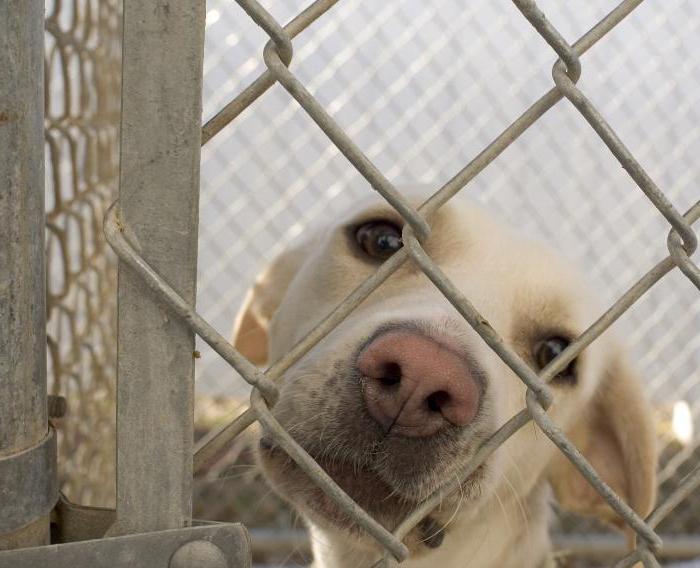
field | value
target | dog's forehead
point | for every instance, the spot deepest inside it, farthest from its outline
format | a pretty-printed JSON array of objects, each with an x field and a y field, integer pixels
[
  {"x": 459, "y": 220},
  {"x": 373, "y": 207},
  {"x": 466, "y": 236}
]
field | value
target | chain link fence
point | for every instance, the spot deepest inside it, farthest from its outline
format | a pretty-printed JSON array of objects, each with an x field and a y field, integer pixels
[
  {"x": 417, "y": 109},
  {"x": 83, "y": 74},
  {"x": 421, "y": 88}
]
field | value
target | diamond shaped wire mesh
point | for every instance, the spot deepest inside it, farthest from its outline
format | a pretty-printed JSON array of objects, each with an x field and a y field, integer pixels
[
  {"x": 83, "y": 74},
  {"x": 388, "y": 75},
  {"x": 681, "y": 243}
]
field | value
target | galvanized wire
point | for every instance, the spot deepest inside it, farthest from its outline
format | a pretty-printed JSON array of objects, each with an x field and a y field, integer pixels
[{"x": 681, "y": 244}]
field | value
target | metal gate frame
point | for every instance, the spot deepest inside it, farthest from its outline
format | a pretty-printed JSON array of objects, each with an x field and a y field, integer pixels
[{"x": 153, "y": 230}]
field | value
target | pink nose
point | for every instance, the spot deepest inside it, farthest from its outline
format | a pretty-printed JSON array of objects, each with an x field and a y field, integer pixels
[{"x": 415, "y": 386}]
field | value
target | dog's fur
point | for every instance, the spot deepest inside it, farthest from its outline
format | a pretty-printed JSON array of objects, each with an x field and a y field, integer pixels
[{"x": 499, "y": 518}]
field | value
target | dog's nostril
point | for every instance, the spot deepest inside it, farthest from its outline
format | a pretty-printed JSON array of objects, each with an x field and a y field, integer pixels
[
  {"x": 437, "y": 400},
  {"x": 391, "y": 375}
]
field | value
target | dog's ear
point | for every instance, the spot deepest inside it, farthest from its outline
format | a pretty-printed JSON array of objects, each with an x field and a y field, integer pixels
[
  {"x": 261, "y": 301},
  {"x": 618, "y": 439}
]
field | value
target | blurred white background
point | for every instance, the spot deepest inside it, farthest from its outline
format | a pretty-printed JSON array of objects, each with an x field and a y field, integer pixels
[{"x": 422, "y": 88}]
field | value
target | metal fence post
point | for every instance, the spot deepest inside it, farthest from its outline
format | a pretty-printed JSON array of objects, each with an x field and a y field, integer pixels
[
  {"x": 158, "y": 214},
  {"x": 27, "y": 447}
]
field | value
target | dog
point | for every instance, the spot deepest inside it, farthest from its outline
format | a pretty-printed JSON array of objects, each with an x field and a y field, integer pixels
[{"x": 398, "y": 397}]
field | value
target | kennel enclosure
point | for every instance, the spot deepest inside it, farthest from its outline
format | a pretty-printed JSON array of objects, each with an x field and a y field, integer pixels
[{"x": 153, "y": 230}]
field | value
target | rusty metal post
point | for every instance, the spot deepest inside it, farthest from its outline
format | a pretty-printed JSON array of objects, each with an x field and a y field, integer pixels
[
  {"x": 158, "y": 214},
  {"x": 27, "y": 447}
]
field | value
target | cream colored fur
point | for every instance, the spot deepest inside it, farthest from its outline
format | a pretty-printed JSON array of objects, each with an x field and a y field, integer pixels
[{"x": 500, "y": 518}]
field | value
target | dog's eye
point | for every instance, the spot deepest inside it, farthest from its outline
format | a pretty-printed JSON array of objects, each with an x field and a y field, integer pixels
[
  {"x": 379, "y": 239},
  {"x": 547, "y": 350}
]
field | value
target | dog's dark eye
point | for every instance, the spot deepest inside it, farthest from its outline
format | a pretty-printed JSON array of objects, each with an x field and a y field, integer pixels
[
  {"x": 547, "y": 350},
  {"x": 379, "y": 239}
]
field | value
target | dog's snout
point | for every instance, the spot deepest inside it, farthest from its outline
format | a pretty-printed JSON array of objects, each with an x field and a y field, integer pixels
[{"x": 414, "y": 385}]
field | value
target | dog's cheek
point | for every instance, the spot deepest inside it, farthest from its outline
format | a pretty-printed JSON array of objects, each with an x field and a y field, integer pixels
[
  {"x": 285, "y": 478},
  {"x": 299, "y": 399},
  {"x": 274, "y": 464}
]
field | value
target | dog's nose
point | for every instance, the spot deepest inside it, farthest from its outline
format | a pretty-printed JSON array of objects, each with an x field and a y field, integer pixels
[{"x": 414, "y": 385}]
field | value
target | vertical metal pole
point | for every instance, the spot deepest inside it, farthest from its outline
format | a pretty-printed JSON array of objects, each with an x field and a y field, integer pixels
[
  {"x": 25, "y": 443},
  {"x": 159, "y": 202}
]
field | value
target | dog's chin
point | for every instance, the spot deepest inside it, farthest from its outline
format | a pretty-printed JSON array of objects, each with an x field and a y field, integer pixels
[{"x": 387, "y": 497}]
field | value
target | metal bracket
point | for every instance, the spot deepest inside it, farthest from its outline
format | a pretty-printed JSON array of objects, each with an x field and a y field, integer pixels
[
  {"x": 71, "y": 522},
  {"x": 224, "y": 545},
  {"x": 28, "y": 486}
]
